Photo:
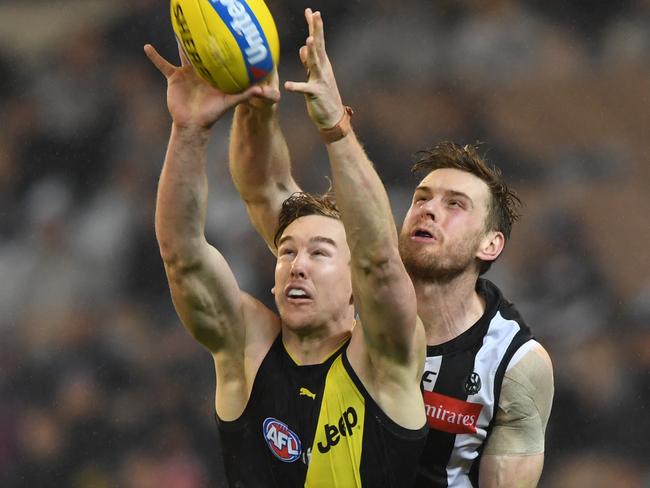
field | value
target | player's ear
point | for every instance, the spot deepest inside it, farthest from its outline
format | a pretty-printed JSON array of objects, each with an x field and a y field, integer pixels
[{"x": 491, "y": 246}]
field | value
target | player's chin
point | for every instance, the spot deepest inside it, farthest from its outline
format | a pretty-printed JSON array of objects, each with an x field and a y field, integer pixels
[
  {"x": 296, "y": 318},
  {"x": 413, "y": 250}
]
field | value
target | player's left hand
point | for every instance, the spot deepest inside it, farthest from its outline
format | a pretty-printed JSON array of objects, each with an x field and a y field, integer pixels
[
  {"x": 191, "y": 101},
  {"x": 321, "y": 93}
]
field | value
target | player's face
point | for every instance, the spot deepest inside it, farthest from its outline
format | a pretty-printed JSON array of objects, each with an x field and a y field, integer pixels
[
  {"x": 445, "y": 225},
  {"x": 312, "y": 274}
]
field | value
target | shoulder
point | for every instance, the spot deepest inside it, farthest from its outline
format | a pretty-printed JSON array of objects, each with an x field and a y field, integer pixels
[
  {"x": 530, "y": 363},
  {"x": 527, "y": 389}
]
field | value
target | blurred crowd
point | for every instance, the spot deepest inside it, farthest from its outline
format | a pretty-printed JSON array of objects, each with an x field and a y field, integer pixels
[{"x": 99, "y": 384}]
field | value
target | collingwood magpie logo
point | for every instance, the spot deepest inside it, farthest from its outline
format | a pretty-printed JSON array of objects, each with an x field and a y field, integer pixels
[{"x": 473, "y": 383}]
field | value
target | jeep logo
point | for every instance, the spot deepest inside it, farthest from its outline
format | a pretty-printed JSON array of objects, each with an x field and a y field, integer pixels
[{"x": 334, "y": 432}]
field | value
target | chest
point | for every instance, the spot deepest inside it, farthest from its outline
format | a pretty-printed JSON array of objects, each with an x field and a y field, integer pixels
[{"x": 285, "y": 405}]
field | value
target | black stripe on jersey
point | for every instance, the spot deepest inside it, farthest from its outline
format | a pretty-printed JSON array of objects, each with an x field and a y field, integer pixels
[{"x": 388, "y": 448}]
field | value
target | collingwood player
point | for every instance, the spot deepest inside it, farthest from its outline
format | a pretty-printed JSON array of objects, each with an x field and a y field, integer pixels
[{"x": 487, "y": 384}]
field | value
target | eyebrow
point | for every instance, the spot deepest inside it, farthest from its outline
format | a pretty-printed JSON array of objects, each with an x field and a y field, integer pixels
[
  {"x": 453, "y": 193},
  {"x": 325, "y": 240},
  {"x": 322, "y": 239}
]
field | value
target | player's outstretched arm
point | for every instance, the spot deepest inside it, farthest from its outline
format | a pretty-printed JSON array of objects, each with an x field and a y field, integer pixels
[
  {"x": 514, "y": 453},
  {"x": 260, "y": 163},
  {"x": 383, "y": 292},
  {"x": 204, "y": 290}
]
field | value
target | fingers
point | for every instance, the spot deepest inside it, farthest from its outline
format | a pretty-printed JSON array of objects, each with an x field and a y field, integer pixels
[
  {"x": 303, "y": 57},
  {"x": 236, "y": 99},
  {"x": 272, "y": 80},
  {"x": 182, "y": 55},
  {"x": 257, "y": 96},
  {"x": 299, "y": 87},
  {"x": 309, "y": 58},
  {"x": 312, "y": 54},
  {"x": 315, "y": 24},
  {"x": 268, "y": 94},
  {"x": 254, "y": 90},
  {"x": 318, "y": 31},
  {"x": 309, "y": 17},
  {"x": 166, "y": 68}
]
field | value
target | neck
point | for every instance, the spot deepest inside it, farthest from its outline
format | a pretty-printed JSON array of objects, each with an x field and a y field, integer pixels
[
  {"x": 447, "y": 309},
  {"x": 315, "y": 346}
]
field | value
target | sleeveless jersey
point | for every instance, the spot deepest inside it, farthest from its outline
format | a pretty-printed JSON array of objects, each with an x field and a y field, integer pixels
[
  {"x": 461, "y": 385},
  {"x": 316, "y": 426}
]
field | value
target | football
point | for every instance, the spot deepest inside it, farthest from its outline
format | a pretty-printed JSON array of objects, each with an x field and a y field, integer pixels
[{"x": 232, "y": 44}]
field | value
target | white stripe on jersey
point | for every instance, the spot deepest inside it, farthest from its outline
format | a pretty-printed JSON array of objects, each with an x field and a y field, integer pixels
[
  {"x": 488, "y": 358},
  {"x": 432, "y": 364}
]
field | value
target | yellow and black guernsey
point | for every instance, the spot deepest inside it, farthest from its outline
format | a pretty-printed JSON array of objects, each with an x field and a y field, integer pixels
[{"x": 316, "y": 426}]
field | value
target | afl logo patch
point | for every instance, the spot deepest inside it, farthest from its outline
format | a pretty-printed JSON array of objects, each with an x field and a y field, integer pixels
[
  {"x": 283, "y": 442},
  {"x": 473, "y": 383}
]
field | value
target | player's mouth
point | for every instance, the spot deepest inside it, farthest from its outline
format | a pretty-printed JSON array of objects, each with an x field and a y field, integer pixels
[
  {"x": 297, "y": 294},
  {"x": 423, "y": 235}
]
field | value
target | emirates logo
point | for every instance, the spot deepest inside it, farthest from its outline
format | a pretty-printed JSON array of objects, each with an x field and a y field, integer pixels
[
  {"x": 449, "y": 414},
  {"x": 473, "y": 383}
]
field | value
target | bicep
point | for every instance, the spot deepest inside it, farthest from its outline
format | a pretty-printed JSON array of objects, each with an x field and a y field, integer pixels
[
  {"x": 524, "y": 405},
  {"x": 207, "y": 298},
  {"x": 514, "y": 451}
]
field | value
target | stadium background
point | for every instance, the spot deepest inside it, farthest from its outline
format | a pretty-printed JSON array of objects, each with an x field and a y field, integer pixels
[{"x": 99, "y": 384}]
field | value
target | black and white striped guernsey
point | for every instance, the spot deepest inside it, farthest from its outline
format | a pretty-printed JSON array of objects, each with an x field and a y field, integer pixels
[{"x": 461, "y": 385}]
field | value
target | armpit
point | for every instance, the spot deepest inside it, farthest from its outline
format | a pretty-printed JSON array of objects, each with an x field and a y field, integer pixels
[{"x": 524, "y": 405}]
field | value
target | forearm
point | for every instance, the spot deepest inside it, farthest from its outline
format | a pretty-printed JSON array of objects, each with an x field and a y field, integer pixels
[
  {"x": 181, "y": 202},
  {"x": 260, "y": 166},
  {"x": 259, "y": 156},
  {"x": 362, "y": 199},
  {"x": 384, "y": 295}
]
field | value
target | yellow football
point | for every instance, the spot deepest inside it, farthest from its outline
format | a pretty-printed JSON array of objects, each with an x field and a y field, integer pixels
[{"x": 231, "y": 43}]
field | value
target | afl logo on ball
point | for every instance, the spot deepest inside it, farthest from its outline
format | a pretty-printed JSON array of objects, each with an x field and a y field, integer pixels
[
  {"x": 282, "y": 441},
  {"x": 473, "y": 383}
]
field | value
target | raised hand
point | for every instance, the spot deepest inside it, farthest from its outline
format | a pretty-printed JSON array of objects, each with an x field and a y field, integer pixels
[
  {"x": 321, "y": 93},
  {"x": 271, "y": 92},
  {"x": 192, "y": 102}
]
